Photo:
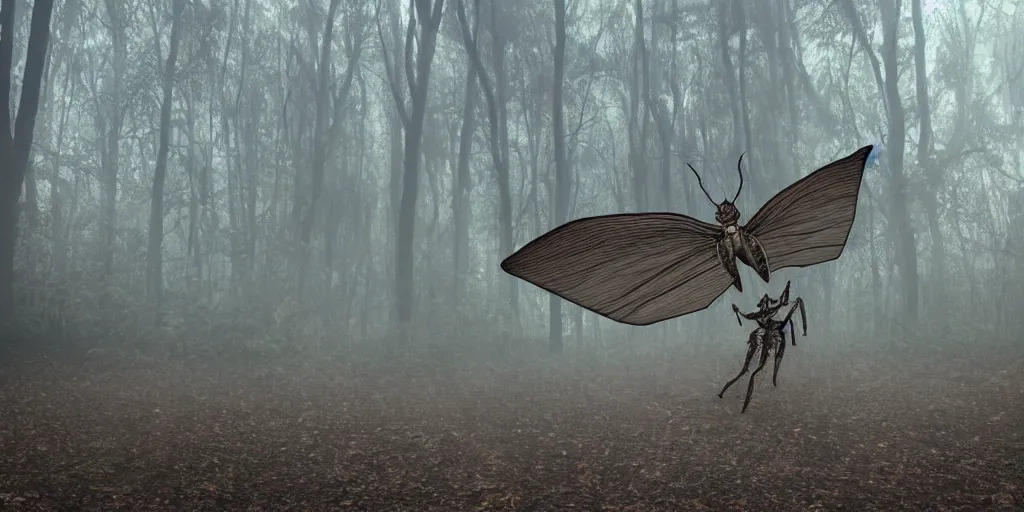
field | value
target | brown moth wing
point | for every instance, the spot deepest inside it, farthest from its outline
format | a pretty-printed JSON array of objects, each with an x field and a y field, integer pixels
[
  {"x": 635, "y": 268},
  {"x": 809, "y": 221}
]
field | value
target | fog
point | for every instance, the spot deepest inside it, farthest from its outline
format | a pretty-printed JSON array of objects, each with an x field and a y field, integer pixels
[{"x": 250, "y": 254}]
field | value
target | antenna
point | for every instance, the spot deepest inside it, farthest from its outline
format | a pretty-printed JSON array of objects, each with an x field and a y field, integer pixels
[
  {"x": 699, "y": 182},
  {"x": 739, "y": 169}
]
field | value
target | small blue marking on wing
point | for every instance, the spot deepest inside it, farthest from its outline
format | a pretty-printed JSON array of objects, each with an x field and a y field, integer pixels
[{"x": 876, "y": 152}]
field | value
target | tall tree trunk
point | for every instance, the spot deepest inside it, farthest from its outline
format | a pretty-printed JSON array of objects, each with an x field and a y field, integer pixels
[
  {"x": 154, "y": 253},
  {"x": 16, "y": 146},
  {"x": 248, "y": 164},
  {"x": 772, "y": 137},
  {"x": 462, "y": 185},
  {"x": 320, "y": 144},
  {"x": 876, "y": 277},
  {"x": 729, "y": 76},
  {"x": 395, "y": 144},
  {"x": 192, "y": 251},
  {"x": 396, "y": 129},
  {"x": 664, "y": 117},
  {"x": 395, "y": 122},
  {"x": 934, "y": 180},
  {"x": 561, "y": 164},
  {"x": 58, "y": 231},
  {"x": 906, "y": 244},
  {"x": 499, "y": 49},
  {"x": 497, "y": 115},
  {"x": 786, "y": 55},
  {"x": 743, "y": 97},
  {"x": 45, "y": 138},
  {"x": 229, "y": 154},
  {"x": 637, "y": 127},
  {"x": 111, "y": 118},
  {"x": 427, "y": 14}
]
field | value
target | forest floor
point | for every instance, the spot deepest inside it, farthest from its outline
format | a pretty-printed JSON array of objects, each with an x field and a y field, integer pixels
[{"x": 645, "y": 434}]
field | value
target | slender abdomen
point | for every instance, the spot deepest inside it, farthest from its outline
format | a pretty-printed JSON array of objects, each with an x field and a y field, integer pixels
[{"x": 749, "y": 250}]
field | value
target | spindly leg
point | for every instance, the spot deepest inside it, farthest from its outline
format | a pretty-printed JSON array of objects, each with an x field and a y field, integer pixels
[
  {"x": 779, "y": 351},
  {"x": 784, "y": 298},
  {"x": 752, "y": 344},
  {"x": 748, "y": 316},
  {"x": 750, "y": 386},
  {"x": 798, "y": 303},
  {"x": 736, "y": 311}
]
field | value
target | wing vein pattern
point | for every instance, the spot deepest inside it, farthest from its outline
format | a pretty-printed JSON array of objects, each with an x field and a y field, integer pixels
[
  {"x": 635, "y": 268},
  {"x": 809, "y": 222}
]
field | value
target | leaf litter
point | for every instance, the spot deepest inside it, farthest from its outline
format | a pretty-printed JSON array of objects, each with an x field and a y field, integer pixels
[{"x": 596, "y": 436}]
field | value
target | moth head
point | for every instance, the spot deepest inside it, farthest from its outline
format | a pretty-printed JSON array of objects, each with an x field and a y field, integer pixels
[
  {"x": 727, "y": 213},
  {"x": 764, "y": 302}
]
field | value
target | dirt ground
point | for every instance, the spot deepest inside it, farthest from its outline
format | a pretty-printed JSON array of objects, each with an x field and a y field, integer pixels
[{"x": 837, "y": 434}]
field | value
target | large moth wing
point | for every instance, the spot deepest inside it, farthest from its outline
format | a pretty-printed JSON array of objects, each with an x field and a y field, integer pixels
[
  {"x": 635, "y": 268},
  {"x": 809, "y": 221}
]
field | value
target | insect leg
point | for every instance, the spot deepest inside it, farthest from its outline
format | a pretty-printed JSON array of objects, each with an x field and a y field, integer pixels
[
  {"x": 784, "y": 298},
  {"x": 780, "y": 350},
  {"x": 803, "y": 314},
  {"x": 748, "y": 316},
  {"x": 798, "y": 304},
  {"x": 750, "y": 386},
  {"x": 752, "y": 345}
]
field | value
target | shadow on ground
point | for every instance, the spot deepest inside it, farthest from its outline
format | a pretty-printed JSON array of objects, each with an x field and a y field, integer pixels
[{"x": 639, "y": 435}]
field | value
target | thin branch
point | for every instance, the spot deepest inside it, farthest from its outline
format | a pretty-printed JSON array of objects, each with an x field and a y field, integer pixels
[
  {"x": 410, "y": 36},
  {"x": 391, "y": 79}
]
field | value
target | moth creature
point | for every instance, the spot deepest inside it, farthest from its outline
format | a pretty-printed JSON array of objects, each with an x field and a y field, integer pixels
[
  {"x": 769, "y": 338},
  {"x": 643, "y": 268}
]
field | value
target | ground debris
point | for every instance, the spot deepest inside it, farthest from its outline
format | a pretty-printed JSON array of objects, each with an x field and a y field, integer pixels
[{"x": 530, "y": 438}]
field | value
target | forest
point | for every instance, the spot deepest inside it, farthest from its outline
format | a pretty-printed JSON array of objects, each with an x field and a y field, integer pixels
[{"x": 250, "y": 254}]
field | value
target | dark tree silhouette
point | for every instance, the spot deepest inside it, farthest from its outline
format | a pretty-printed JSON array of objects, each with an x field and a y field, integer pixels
[
  {"x": 16, "y": 146},
  {"x": 561, "y": 163},
  {"x": 427, "y": 14},
  {"x": 154, "y": 254}
]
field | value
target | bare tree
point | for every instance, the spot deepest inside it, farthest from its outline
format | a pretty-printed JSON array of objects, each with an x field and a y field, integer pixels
[
  {"x": 561, "y": 163},
  {"x": 154, "y": 253},
  {"x": 110, "y": 118},
  {"x": 462, "y": 181},
  {"x": 56, "y": 119},
  {"x": 729, "y": 73},
  {"x": 326, "y": 128},
  {"x": 664, "y": 116},
  {"x": 427, "y": 15},
  {"x": 497, "y": 114},
  {"x": 896, "y": 115},
  {"x": 924, "y": 147},
  {"x": 16, "y": 146},
  {"x": 638, "y": 122}
]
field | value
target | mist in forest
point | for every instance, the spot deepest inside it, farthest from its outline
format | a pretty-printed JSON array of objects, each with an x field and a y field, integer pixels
[{"x": 250, "y": 254}]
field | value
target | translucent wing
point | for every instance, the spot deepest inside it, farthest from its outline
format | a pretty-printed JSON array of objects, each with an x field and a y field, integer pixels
[
  {"x": 809, "y": 221},
  {"x": 636, "y": 269}
]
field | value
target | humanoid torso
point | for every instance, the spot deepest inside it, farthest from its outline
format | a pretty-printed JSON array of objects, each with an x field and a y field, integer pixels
[{"x": 769, "y": 337}]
